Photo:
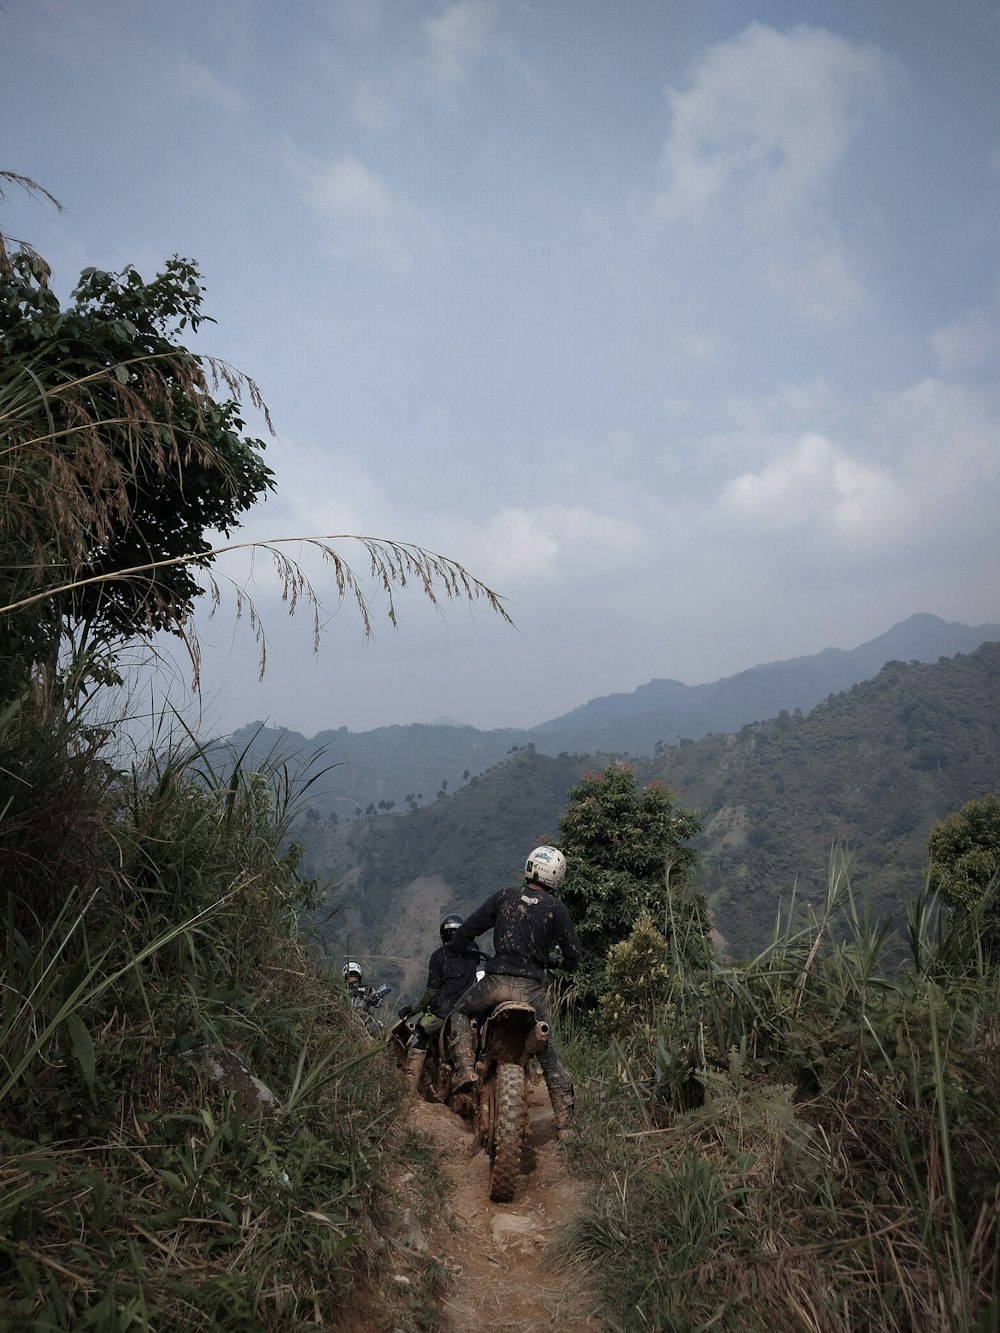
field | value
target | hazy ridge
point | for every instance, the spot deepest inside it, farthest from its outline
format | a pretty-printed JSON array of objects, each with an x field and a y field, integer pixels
[{"x": 389, "y": 768}]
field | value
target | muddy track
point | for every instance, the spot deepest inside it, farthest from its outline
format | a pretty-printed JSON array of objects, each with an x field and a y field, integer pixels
[{"x": 500, "y": 1256}]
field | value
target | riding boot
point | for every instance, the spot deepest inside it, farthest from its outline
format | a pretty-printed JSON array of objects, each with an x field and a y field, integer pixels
[
  {"x": 563, "y": 1101},
  {"x": 561, "y": 1092},
  {"x": 415, "y": 1067},
  {"x": 462, "y": 1045}
]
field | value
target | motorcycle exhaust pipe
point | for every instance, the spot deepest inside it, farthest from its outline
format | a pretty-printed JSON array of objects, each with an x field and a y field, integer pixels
[{"x": 537, "y": 1039}]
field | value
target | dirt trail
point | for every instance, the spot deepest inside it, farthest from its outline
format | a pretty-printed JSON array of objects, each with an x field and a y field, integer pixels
[{"x": 498, "y": 1254}]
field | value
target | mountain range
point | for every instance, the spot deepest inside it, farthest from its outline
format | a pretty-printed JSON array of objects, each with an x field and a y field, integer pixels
[
  {"x": 390, "y": 768},
  {"x": 869, "y": 771}
]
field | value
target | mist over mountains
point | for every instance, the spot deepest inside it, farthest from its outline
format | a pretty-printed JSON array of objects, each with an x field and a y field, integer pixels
[{"x": 408, "y": 766}]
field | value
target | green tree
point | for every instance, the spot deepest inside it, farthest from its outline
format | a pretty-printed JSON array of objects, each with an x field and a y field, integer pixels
[
  {"x": 123, "y": 457},
  {"x": 964, "y": 862},
  {"x": 118, "y": 456},
  {"x": 628, "y": 854}
]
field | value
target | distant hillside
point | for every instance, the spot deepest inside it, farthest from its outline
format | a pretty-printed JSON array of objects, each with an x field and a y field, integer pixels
[
  {"x": 398, "y": 875},
  {"x": 665, "y": 710},
  {"x": 875, "y": 766},
  {"x": 390, "y": 768},
  {"x": 377, "y": 771}
]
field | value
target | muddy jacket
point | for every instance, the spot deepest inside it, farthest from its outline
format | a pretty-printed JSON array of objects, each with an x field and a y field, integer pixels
[
  {"x": 527, "y": 923},
  {"x": 448, "y": 978}
]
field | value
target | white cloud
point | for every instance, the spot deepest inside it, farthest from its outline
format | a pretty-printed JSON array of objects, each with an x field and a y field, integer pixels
[
  {"x": 920, "y": 473},
  {"x": 754, "y": 145},
  {"x": 770, "y": 115},
  {"x": 787, "y": 407},
  {"x": 435, "y": 60},
  {"x": 458, "y": 39},
  {"x": 550, "y": 543},
  {"x": 346, "y": 188},
  {"x": 317, "y": 494},
  {"x": 818, "y": 486},
  {"x": 813, "y": 277},
  {"x": 945, "y": 437},
  {"x": 202, "y": 84},
  {"x": 370, "y": 221},
  {"x": 321, "y": 490},
  {"x": 524, "y": 552}
]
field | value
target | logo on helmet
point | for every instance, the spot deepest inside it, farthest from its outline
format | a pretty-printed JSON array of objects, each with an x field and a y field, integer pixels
[{"x": 546, "y": 866}]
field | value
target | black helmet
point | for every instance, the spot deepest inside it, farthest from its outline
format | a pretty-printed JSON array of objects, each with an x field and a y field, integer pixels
[{"x": 449, "y": 926}]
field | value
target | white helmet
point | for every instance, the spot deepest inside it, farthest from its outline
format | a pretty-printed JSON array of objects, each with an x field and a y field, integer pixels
[
  {"x": 545, "y": 866},
  {"x": 351, "y": 970}
]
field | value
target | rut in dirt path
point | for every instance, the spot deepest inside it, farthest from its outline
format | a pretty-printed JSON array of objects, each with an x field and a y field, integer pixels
[{"x": 499, "y": 1255}]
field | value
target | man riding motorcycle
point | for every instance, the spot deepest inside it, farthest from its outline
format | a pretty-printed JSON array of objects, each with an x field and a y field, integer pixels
[
  {"x": 365, "y": 999},
  {"x": 527, "y": 922},
  {"x": 448, "y": 978}
]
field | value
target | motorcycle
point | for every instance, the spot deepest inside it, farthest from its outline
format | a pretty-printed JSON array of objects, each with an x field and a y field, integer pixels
[
  {"x": 508, "y": 1037},
  {"x": 435, "y": 1078},
  {"x": 365, "y": 1001}
]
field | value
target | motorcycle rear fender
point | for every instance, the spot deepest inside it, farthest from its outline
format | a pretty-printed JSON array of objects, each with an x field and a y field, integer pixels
[{"x": 512, "y": 1033}]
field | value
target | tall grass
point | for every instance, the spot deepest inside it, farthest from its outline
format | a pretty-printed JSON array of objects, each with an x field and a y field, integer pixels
[
  {"x": 137, "y": 1191},
  {"x": 810, "y": 1139}
]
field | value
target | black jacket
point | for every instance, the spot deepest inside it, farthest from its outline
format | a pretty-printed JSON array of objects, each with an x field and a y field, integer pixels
[
  {"x": 527, "y": 923},
  {"x": 448, "y": 978}
]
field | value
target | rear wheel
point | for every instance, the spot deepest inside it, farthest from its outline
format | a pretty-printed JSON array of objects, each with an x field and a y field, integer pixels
[{"x": 508, "y": 1132}]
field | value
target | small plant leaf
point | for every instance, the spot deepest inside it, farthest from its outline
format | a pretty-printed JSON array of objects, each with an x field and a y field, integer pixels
[{"x": 83, "y": 1049}]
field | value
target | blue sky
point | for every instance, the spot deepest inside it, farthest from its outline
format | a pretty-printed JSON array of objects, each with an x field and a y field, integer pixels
[{"x": 677, "y": 324}]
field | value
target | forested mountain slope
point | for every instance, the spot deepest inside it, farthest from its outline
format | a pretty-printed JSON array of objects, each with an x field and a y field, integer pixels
[
  {"x": 388, "y": 768},
  {"x": 874, "y": 766}
]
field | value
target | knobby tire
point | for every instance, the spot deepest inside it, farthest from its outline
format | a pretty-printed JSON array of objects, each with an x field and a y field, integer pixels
[{"x": 508, "y": 1132}]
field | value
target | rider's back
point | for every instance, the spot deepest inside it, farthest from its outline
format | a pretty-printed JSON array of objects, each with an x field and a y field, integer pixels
[{"x": 527, "y": 923}]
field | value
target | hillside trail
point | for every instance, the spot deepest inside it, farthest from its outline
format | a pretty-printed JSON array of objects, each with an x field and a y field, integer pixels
[{"x": 500, "y": 1256}]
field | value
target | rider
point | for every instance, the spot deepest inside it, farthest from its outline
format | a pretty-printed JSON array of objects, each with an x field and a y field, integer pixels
[
  {"x": 365, "y": 999},
  {"x": 448, "y": 978},
  {"x": 527, "y": 922},
  {"x": 357, "y": 991}
]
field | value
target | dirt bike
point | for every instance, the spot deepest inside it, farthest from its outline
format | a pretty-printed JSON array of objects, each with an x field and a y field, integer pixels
[
  {"x": 436, "y": 1076},
  {"x": 365, "y": 1001},
  {"x": 435, "y": 1079},
  {"x": 508, "y": 1037}
]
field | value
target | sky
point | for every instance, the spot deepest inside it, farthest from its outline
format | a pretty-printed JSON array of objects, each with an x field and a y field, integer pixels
[{"x": 676, "y": 324}]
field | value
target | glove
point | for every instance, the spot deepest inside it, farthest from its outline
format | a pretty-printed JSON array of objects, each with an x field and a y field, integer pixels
[{"x": 405, "y": 1012}]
